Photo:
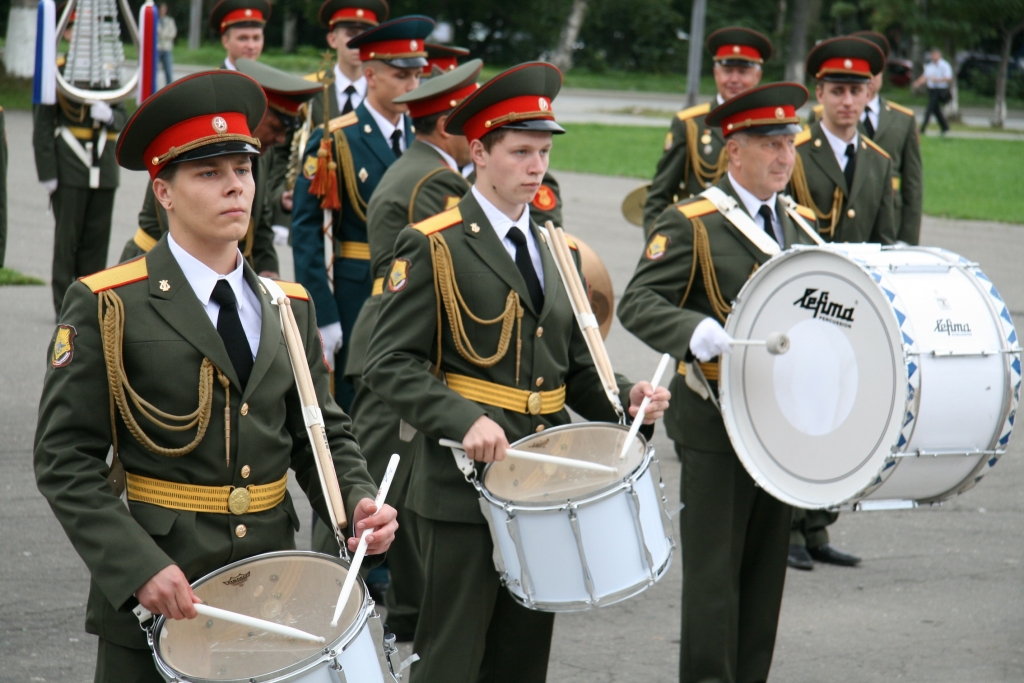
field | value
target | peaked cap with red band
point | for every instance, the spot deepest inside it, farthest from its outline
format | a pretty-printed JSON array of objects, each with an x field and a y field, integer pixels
[
  {"x": 518, "y": 98},
  {"x": 285, "y": 93},
  {"x": 206, "y": 114},
  {"x": 768, "y": 110},
  {"x": 242, "y": 13},
  {"x": 737, "y": 46},
  {"x": 400, "y": 42},
  {"x": 444, "y": 57},
  {"x": 356, "y": 12},
  {"x": 845, "y": 60},
  {"x": 443, "y": 92}
]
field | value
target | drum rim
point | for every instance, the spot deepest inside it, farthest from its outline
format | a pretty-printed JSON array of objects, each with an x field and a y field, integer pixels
[
  {"x": 327, "y": 651},
  {"x": 592, "y": 497}
]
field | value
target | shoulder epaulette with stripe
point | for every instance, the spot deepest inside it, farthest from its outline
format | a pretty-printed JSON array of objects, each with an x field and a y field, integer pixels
[
  {"x": 818, "y": 109},
  {"x": 874, "y": 145},
  {"x": 314, "y": 77},
  {"x": 804, "y": 211},
  {"x": 701, "y": 207},
  {"x": 803, "y": 136},
  {"x": 118, "y": 276},
  {"x": 293, "y": 290},
  {"x": 343, "y": 121},
  {"x": 571, "y": 242},
  {"x": 441, "y": 221},
  {"x": 697, "y": 110},
  {"x": 899, "y": 107}
]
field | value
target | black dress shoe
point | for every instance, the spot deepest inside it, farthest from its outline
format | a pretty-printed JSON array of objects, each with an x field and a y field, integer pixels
[
  {"x": 831, "y": 555},
  {"x": 799, "y": 558}
]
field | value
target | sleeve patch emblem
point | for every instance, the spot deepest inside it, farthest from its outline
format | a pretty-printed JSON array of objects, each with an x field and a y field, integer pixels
[
  {"x": 656, "y": 247},
  {"x": 545, "y": 198},
  {"x": 668, "y": 141},
  {"x": 451, "y": 202},
  {"x": 399, "y": 276},
  {"x": 309, "y": 167},
  {"x": 64, "y": 346}
]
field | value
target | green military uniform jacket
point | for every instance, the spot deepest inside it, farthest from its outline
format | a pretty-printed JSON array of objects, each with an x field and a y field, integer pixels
[
  {"x": 417, "y": 186},
  {"x": 653, "y": 306},
  {"x": 862, "y": 213},
  {"x": 407, "y": 338},
  {"x": 693, "y": 160},
  {"x": 167, "y": 335},
  {"x": 258, "y": 244},
  {"x": 62, "y": 138}
]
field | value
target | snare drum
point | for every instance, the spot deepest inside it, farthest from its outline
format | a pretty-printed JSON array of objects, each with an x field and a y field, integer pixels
[
  {"x": 567, "y": 539},
  {"x": 900, "y": 386},
  {"x": 293, "y": 588}
]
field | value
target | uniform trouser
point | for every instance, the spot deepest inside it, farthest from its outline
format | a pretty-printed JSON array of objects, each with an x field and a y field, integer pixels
[
  {"x": 82, "y": 235},
  {"x": 935, "y": 96},
  {"x": 117, "y": 664},
  {"x": 470, "y": 629},
  {"x": 734, "y": 540},
  {"x": 810, "y": 527}
]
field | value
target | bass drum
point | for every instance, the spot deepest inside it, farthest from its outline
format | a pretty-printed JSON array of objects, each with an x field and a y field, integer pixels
[{"x": 900, "y": 386}]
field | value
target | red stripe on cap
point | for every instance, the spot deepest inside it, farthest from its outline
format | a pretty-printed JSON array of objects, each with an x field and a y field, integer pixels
[
  {"x": 442, "y": 63},
  {"x": 354, "y": 14},
  {"x": 845, "y": 65},
  {"x": 282, "y": 103},
  {"x": 237, "y": 16},
  {"x": 392, "y": 49},
  {"x": 483, "y": 122},
  {"x": 738, "y": 52},
  {"x": 448, "y": 100},
  {"x": 226, "y": 123},
  {"x": 760, "y": 116}
]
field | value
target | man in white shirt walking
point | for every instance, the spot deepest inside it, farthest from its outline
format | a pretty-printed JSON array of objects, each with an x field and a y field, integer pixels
[
  {"x": 938, "y": 75},
  {"x": 166, "y": 32}
]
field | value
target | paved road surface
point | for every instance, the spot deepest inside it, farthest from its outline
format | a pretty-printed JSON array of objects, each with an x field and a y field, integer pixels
[{"x": 938, "y": 598}]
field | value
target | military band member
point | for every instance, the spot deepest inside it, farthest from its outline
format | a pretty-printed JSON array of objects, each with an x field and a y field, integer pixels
[
  {"x": 340, "y": 170},
  {"x": 734, "y": 534},
  {"x": 442, "y": 58},
  {"x": 190, "y": 308},
  {"x": 478, "y": 385},
  {"x": 845, "y": 177},
  {"x": 694, "y": 156},
  {"x": 240, "y": 23},
  {"x": 286, "y": 95}
]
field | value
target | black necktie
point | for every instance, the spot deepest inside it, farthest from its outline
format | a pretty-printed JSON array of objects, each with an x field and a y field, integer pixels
[
  {"x": 766, "y": 213},
  {"x": 396, "y": 142},
  {"x": 229, "y": 325},
  {"x": 867, "y": 123},
  {"x": 525, "y": 265},
  {"x": 350, "y": 91},
  {"x": 851, "y": 166}
]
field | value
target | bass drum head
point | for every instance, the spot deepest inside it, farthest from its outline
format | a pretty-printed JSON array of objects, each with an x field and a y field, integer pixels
[
  {"x": 534, "y": 483},
  {"x": 815, "y": 425},
  {"x": 294, "y": 589}
]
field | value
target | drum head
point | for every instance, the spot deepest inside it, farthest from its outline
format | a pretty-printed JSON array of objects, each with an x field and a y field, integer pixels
[
  {"x": 291, "y": 588},
  {"x": 814, "y": 426},
  {"x": 534, "y": 483}
]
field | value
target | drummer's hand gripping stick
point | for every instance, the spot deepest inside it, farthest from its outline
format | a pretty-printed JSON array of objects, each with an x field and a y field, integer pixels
[
  {"x": 642, "y": 410},
  {"x": 357, "y": 560},
  {"x": 540, "y": 457}
]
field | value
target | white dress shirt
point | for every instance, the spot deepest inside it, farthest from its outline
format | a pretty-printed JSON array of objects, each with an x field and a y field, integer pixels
[
  {"x": 502, "y": 224},
  {"x": 202, "y": 279},
  {"x": 341, "y": 81},
  {"x": 839, "y": 146},
  {"x": 753, "y": 205},
  {"x": 871, "y": 112},
  {"x": 229, "y": 65},
  {"x": 934, "y": 71},
  {"x": 448, "y": 158},
  {"x": 387, "y": 128}
]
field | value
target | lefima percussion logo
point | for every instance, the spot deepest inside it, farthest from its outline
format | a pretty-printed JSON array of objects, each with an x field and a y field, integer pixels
[
  {"x": 831, "y": 311},
  {"x": 237, "y": 581},
  {"x": 952, "y": 329}
]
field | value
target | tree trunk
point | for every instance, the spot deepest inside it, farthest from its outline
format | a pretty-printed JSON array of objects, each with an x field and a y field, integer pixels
[
  {"x": 693, "y": 63},
  {"x": 780, "y": 21},
  {"x": 291, "y": 25},
  {"x": 797, "y": 42},
  {"x": 1008, "y": 34},
  {"x": 20, "y": 49},
  {"x": 562, "y": 58},
  {"x": 195, "y": 24}
]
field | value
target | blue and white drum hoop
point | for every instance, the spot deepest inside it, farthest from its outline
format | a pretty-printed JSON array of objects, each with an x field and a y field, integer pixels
[{"x": 900, "y": 387}]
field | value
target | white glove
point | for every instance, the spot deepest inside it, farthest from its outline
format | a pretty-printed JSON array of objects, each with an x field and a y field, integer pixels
[
  {"x": 101, "y": 111},
  {"x": 709, "y": 340},
  {"x": 332, "y": 338},
  {"x": 49, "y": 185}
]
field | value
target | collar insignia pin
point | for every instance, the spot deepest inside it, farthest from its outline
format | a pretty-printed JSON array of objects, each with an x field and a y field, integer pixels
[
  {"x": 367, "y": 128},
  {"x": 363, "y": 175},
  {"x": 165, "y": 286},
  {"x": 474, "y": 227}
]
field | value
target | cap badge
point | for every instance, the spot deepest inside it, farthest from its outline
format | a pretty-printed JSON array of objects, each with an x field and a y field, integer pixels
[
  {"x": 413, "y": 45},
  {"x": 219, "y": 124},
  {"x": 543, "y": 104},
  {"x": 248, "y": 12},
  {"x": 735, "y": 49},
  {"x": 848, "y": 64},
  {"x": 780, "y": 113},
  {"x": 359, "y": 12}
]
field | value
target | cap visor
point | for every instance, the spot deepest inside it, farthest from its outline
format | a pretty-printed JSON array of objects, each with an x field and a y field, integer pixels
[
  {"x": 407, "y": 62},
  {"x": 541, "y": 125},
  {"x": 844, "y": 78},
  {"x": 216, "y": 149},
  {"x": 737, "y": 62},
  {"x": 784, "y": 129}
]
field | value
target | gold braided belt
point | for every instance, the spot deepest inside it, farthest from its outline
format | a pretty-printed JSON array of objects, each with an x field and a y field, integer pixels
[
  {"x": 221, "y": 500},
  {"x": 509, "y": 398},
  {"x": 354, "y": 250},
  {"x": 85, "y": 134},
  {"x": 710, "y": 370}
]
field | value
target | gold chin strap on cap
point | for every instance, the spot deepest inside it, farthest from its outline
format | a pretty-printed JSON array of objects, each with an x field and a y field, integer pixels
[
  {"x": 803, "y": 196},
  {"x": 706, "y": 174},
  {"x": 111, "y": 320}
]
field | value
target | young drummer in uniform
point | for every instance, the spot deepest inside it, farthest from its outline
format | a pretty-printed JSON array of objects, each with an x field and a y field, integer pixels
[
  {"x": 340, "y": 171},
  {"x": 843, "y": 175},
  {"x": 694, "y": 156},
  {"x": 239, "y": 23},
  {"x": 190, "y": 308},
  {"x": 478, "y": 385},
  {"x": 734, "y": 535}
]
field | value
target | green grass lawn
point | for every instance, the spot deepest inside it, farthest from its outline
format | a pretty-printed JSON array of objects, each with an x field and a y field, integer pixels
[
  {"x": 976, "y": 179},
  {"x": 13, "y": 277}
]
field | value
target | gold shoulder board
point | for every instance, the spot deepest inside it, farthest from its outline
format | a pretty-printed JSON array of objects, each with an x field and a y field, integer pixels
[
  {"x": 899, "y": 107},
  {"x": 314, "y": 77},
  {"x": 819, "y": 109},
  {"x": 293, "y": 290},
  {"x": 803, "y": 136},
  {"x": 700, "y": 207},
  {"x": 698, "y": 110},
  {"x": 343, "y": 121},
  {"x": 874, "y": 145},
  {"x": 118, "y": 276},
  {"x": 441, "y": 221},
  {"x": 804, "y": 211}
]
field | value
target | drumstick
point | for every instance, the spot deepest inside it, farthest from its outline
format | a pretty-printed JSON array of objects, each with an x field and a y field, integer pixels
[
  {"x": 357, "y": 560},
  {"x": 777, "y": 343},
  {"x": 639, "y": 419},
  {"x": 544, "y": 458},
  {"x": 245, "y": 620}
]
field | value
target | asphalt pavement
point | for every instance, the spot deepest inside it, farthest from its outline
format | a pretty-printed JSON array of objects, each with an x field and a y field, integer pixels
[{"x": 938, "y": 597}]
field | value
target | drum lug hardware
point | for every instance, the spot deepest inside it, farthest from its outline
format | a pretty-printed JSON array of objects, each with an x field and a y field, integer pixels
[{"x": 588, "y": 579}]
